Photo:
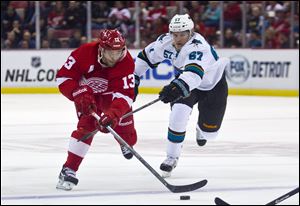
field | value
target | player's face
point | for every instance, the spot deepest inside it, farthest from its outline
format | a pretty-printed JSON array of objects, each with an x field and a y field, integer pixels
[
  {"x": 110, "y": 57},
  {"x": 180, "y": 38}
]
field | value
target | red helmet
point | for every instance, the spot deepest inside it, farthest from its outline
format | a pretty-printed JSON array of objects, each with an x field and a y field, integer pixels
[{"x": 111, "y": 39}]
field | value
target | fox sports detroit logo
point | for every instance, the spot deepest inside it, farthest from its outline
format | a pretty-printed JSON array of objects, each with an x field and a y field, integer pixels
[{"x": 239, "y": 69}]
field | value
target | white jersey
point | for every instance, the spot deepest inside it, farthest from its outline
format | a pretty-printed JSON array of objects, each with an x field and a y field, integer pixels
[{"x": 200, "y": 66}]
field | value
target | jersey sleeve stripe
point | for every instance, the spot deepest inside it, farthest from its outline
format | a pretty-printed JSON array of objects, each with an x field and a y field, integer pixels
[
  {"x": 195, "y": 68},
  {"x": 142, "y": 55},
  {"x": 60, "y": 80},
  {"x": 214, "y": 53},
  {"x": 126, "y": 98}
]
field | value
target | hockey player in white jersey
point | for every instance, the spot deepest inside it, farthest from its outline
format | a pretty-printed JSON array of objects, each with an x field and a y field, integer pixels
[{"x": 201, "y": 81}]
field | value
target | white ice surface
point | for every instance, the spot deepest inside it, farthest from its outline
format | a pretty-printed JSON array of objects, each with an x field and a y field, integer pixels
[{"x": 254, "y": 160}]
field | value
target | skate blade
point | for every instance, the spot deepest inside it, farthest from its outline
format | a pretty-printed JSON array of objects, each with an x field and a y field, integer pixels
[
  {"x": 61, "y": 185},
  {"x": 165, "y": 174}
]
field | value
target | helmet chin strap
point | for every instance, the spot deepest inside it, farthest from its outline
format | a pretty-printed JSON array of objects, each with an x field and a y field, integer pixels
[{"x": 100, "y": 56}]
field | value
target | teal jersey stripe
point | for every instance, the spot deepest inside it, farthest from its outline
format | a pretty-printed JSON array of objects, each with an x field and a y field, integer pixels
[
  {"x": 195, "y": 68},
  {"x": 142, "y": 55},
  {"x": 214, "y": 53},
  {"x": 176, "y": 138}
]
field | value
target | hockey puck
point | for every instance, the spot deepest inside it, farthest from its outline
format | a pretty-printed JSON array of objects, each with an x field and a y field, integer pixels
[{"x": 185, "y": 197}]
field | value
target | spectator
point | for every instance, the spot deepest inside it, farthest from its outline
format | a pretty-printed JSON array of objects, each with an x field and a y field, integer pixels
[
  {"x": 74, "y": 16},
  {"x": 199, "y": 25},
  {"x": 270, "y": 38},
  {"x": 255, "y": 40},
  {"x": 56, "y": 16},
  {"x": 143, "y": 15},
  {"x": 274, "y": 6},
  {"x": 157, "y": 11},
  {"x": 144, "y": 11},
  {"x": 17, "y": 30},
  {"x": 65, "y": 44},
  {"x": 27, "y": 38},
  {"x": 45, "y": 44},
  {"x": 123, "y": 17},
  {"x": 160, "y": 26},
  {"x": 100, "y": 12},
  {"x": 7, "y": 44},
  {"x": 9, "y": 16},
  {"x": 114, "y": 23},
  {"x": 83, "y": 40},
  {"x": 145, "y": 25},
  {"x": 177, "y": 9},
  {"x": 282, "y": 41},
  {"x": 232, "y": 15},
  {"x": 253, "y": 20},
  {"x": 281, "y": 23},
  {"x": 230, "y": 41},
  {"x": 75, "y": 39},
  {"x": 53, "y": 42},
  {"x": 156, "y": 15},
  {"x": 211, "y": 16},
  {"x": 29, "y": 17},
  {"x": 195, "y": 7},
  {"x": 24, "y": 44},
  {"x": 11, "y": 42}
]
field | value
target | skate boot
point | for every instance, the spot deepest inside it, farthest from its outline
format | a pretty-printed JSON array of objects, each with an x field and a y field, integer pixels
[
  {"x": 200, "y": 140},
  {"x": 126, "y": 152},
  {"x": 67, "y": 179},
  {"x": 168, "y": 165}
]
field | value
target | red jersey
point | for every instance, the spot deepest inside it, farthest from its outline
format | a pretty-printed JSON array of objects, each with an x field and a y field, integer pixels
[{"x": 108, "y": 83}]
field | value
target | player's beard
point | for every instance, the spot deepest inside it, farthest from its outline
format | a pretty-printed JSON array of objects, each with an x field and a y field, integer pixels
[
  {"x": 107, "y": 60},
  {"x": 109, "y": 63}
]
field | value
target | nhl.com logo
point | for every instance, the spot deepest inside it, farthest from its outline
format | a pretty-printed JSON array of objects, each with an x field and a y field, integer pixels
[
  {"x": 239, "y": 69},
  {"x": 36, "y": 61}
]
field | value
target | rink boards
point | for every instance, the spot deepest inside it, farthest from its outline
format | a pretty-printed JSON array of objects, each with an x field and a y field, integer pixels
[{"x": 251, "y": 72}]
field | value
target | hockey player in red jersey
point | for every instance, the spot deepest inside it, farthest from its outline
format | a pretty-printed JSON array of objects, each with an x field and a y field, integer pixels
[{"x": 98, "y": 77}]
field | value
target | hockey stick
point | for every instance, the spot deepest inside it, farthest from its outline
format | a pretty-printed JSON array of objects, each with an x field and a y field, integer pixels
[
  {"x": 219, "y": 201},
  {"x": 172, "y": 188},
  {"x": 140, "y": 108},
  {"x": 283, "y": 197},
  {"x": 85, "y": 137},
  {"x": 88, "y": 135}
]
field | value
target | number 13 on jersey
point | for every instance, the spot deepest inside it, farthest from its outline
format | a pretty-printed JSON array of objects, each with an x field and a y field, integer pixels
[{"x": 128, "y": 81}]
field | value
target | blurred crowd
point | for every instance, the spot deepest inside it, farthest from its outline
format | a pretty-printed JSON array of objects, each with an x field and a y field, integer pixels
[{"x": 63, "y": 24}]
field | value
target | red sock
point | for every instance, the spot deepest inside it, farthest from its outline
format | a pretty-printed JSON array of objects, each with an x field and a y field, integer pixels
[{"x": 73, "y": 161}]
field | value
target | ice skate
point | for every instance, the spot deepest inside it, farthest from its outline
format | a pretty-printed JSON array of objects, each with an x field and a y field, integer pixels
[
  {"x": 168, "y": 165},
  {"x": 67, "y": 179},
  {"x": 200, "y": 140},
  {"x": 126, "y": 152}
]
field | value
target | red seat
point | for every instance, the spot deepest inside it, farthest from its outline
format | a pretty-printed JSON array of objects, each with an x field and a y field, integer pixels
[
  {"x": 95, "y": 33},
  {"x": 19, "y": 4},
  {"x": 62, "y": 33},
  {"x": 210, "y": 30}
]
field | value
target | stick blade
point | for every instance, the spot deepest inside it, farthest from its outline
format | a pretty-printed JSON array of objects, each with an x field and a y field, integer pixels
[
  {"x": 187, "y": 188},
  {"x": 219, "y": 201}
]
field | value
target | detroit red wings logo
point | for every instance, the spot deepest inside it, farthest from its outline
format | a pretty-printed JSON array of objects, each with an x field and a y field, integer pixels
[{"x": 98, "y": 85}]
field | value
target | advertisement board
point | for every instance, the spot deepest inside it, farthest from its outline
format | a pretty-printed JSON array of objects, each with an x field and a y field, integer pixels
[{"x": 250, "y": 71}]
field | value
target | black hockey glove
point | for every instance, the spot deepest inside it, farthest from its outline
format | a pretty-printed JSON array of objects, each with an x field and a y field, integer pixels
[
  {"x": 136, "y": 86},
  {"x": 177, "y": 88}
]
